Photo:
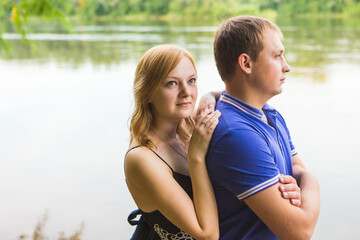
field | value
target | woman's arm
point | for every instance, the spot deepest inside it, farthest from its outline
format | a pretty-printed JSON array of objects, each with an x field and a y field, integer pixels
[
  {"x": 153, "y": 187},
  {"x": 204, "y": 198}
]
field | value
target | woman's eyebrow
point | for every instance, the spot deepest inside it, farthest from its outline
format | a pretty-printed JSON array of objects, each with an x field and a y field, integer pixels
[{"x": 192, "y": 75}]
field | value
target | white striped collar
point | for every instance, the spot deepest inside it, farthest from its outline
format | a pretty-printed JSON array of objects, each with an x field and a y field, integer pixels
[{"x": 225, "y": 98}]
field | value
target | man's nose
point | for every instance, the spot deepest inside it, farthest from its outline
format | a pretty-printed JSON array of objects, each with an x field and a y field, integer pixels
[{"x": 286, "y": 66}]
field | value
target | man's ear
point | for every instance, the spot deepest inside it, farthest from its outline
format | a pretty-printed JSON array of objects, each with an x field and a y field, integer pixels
[{"x": 244, "y": 62}]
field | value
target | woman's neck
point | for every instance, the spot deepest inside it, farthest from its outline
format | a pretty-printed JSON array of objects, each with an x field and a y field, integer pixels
[
  {"x": 164, "y": 133},
  {"x": 165, "y": 129}
]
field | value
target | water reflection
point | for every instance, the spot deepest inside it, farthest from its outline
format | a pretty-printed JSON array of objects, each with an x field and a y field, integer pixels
[
  {"x": 124, "y": 37},
  {"x": 311, "y": 44},
  {"x": 314, "y": 43},
  {"x": 64, "y": 109},
  {"x": 108, "y": 44}
]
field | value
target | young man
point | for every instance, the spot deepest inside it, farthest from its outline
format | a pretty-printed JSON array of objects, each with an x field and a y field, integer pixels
[{"x": 251, "y": 146}]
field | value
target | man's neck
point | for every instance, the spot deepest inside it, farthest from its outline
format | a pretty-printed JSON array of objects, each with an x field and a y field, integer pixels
[{"x": 247, "y": 96}]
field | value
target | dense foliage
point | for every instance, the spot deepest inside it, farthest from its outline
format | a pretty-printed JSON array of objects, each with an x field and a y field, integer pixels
[
  {"x": 19, "y": 11},
  {"x": 90, "y": 8},
  {"x": 211, "y": 7}
]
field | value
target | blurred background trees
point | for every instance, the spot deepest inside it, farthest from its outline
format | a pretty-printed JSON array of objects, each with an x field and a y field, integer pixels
[
  {"x": 212, "y": 7},
  {"x": 55, "y": 9},
  {"x": 20, "y": 11}
]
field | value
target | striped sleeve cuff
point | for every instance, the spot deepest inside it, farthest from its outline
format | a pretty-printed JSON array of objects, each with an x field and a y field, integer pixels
[
  {"x": 293, "y": 152},
  {"x": 259, "y": 187}
]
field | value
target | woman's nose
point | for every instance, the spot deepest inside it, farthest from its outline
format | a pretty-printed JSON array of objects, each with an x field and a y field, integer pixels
[{"x": 185, "y": 90}]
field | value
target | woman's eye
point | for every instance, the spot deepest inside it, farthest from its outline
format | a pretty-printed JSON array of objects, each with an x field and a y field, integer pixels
[
  {"x": 192, "y": 80},
  {"x": 171, "y": 83}
]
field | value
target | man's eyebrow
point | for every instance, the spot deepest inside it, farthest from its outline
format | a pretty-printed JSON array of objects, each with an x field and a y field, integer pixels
[{"x": 279, "y": 50}]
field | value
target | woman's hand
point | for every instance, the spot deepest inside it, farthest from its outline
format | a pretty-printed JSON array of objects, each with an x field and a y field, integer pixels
[
  {"x": 290, "y": 190},
  {"x": 205, "y": 125},
  {"x": 207, "y": 101}
]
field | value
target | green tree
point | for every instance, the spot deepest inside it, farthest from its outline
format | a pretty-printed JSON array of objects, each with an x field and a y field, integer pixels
[
  {"x": 20, "y": 11},
  {"x": 158, "y": 7}
]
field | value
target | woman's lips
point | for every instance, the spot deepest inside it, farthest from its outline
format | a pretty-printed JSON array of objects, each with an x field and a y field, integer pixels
[{"x": 184, "y": 104}]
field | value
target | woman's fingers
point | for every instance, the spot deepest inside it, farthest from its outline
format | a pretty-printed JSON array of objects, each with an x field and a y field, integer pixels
[
  {"x": 204, "y": 110},
  {"x": 201, "y": 135},
  {"x": 207, "y": 101},
  {"x": 203, "y": 117},
  {"x": 213, "y": 121},
  {"x": 208, "y": 120}
]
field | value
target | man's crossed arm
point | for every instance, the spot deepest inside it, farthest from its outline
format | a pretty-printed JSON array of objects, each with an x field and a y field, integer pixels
[{"x": 286, "y": 220}]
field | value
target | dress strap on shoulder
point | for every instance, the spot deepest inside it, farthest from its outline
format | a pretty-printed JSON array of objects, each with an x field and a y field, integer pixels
[
  {"x": 132, "y": 149},
  {"x": 154, "y": 153},
  {"x": 162, "y": 160}
]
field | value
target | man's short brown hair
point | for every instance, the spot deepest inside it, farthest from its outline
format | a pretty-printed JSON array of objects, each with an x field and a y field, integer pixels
[{"x": 237, "y": 35}]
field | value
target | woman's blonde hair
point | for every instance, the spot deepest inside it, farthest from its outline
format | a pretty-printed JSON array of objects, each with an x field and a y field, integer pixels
[{"x": 154, "y": 66}]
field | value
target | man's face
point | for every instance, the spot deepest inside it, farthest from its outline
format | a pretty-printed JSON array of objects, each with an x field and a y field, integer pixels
[{"x": 268, "y": 72}]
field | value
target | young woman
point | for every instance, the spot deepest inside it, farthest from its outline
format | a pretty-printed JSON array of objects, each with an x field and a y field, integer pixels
[
  {"x": 161, "y": 157},
  {"x": 168, "y": 148}
]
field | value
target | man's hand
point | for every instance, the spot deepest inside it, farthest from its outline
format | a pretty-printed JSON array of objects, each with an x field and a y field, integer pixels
[{"x": 290, "y": 190}]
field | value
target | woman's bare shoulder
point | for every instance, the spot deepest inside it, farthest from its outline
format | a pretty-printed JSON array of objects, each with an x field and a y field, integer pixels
[
  {"x": 138, "y": 156},
  {"x": 142, "y": 160},
  {"x": 146, "y": 175}
]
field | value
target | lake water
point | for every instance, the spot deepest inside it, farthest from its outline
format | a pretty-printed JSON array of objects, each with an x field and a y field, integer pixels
[{"x": 64, "y": 119}]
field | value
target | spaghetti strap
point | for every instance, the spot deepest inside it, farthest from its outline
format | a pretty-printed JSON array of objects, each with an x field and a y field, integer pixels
[
  {"x": 132, "y": 149},
  {"x": 162, "y": 160},
  {"x": 153, "y": 152}
]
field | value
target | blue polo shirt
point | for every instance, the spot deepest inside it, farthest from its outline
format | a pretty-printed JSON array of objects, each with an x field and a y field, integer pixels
[{"x": 249, "y": 150}]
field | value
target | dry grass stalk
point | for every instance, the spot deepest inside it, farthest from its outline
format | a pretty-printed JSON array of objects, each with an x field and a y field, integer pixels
[{"x": 39, "y": 232}]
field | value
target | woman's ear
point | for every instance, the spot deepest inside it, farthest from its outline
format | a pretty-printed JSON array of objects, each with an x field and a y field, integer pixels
[{"x": 244, "y": 62}]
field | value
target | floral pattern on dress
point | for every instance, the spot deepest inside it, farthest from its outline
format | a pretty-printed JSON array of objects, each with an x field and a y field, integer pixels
[{"x": 164, "y": 235}]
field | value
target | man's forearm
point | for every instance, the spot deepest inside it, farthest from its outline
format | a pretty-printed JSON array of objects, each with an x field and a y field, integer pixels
[{"x": 310, "y": 194}]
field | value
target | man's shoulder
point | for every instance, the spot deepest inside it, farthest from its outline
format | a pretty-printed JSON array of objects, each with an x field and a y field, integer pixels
[
  {"x": 236, "y": 136},
  {"x": 233, "y": 123},
  {"x": 232, "y": 116}
]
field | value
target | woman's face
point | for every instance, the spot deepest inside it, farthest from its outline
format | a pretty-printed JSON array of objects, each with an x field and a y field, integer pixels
[{"x": 177, "y": 93}]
